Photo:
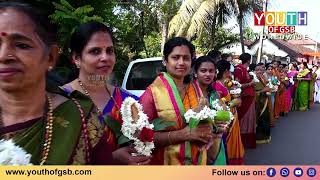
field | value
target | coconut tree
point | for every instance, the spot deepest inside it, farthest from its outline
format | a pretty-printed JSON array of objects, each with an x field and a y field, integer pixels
[{"x": 196, "y": 15}]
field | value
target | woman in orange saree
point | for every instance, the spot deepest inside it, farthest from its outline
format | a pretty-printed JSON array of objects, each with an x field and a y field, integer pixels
[
  {"x": 235, "y": 147},
  {"x": 168, "y": 98}
]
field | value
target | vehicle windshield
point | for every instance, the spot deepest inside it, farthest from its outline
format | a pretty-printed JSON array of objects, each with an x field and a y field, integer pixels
[{"x": 142, "y": 74}]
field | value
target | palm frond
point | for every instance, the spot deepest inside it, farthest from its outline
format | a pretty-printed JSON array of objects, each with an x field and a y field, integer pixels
[
  {"x": 202, "y": 17},
  {"x": 184, "y": 15}
]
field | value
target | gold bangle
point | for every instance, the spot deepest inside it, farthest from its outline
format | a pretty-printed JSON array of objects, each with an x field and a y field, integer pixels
[{"x": 169, "y": 139}]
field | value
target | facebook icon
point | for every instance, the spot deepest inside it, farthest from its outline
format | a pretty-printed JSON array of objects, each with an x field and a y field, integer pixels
[{"x": 271, "y": 172}]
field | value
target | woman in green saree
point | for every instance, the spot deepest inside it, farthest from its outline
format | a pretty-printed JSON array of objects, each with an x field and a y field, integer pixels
[
  {"x": 46, "y": 124},
  {"x": 204, "y": 76},
  {"x": 263, "y": 107},
  {"x": 302, "y": 92}
]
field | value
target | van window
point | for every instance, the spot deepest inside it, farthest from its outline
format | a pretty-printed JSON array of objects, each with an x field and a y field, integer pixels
[{"x": 142, "y": 74}]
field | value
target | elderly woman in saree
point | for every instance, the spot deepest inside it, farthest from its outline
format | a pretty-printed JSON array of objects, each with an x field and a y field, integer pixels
[
  {"x": 263, "y": 107},
  {"x": 47, "y": 124}
]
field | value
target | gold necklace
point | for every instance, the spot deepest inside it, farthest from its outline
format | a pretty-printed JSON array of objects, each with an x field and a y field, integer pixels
[
  {"x": 88, "y": 94},
  {"x": 48, "y": 130},
  {"x": 48, "y": 133}
]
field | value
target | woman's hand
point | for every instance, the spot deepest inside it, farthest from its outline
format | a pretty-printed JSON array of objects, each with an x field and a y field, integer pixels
[
  {"x": 124, "y": 156},
  {"x": 221, "y": 127},
  {"x": 235, "y": 102},
  {"x": 202, "y": 133},
  {"x": 266, "y": 89}
]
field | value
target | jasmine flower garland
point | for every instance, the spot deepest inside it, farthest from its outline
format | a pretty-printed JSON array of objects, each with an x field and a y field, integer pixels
[
  {"x": 205, "y": 114},
  {"x": 11, "y": 154},
  {"x": 139, "y": 130}
]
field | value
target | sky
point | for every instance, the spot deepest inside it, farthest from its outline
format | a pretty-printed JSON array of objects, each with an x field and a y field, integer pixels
[{"x": 310, "y": 6}]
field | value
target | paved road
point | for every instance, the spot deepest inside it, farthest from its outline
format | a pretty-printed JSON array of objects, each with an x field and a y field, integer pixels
[{"x": 295, "y": 140}]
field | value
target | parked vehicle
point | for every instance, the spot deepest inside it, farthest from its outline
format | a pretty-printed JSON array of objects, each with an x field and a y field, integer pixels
[{"x": 140, "y": 74}]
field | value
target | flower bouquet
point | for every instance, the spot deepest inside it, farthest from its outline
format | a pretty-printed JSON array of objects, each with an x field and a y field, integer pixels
[
  {"x": 234, "y": 88},
  {"x": 273, "y": 84},
  {"x": 11, "y": 154},
  {"x": 223, "y": 113},
  {"x": 136, "y": 126},
  {"x": 202, "y": 114}
]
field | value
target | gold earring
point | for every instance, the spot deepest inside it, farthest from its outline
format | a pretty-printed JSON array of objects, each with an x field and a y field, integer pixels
[{"x": 50, "y": 68}]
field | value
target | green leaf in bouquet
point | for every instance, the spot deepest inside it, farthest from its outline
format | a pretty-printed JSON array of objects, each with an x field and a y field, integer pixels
[
  {"x": 160, "y": 124},
  {"x": 222, "y": 116},
  {"x": 193, "y": 123},
  {"x": 114, "y": 125},
  {"x": 123, "y": 139}
]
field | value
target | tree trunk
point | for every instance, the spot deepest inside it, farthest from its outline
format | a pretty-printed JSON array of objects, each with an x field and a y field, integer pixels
[
  {"x": 241, "y": 31},
  {"x": 213, "y": 31},
  {"x": 143, "y": 33},
  {"x": 165, "y": 28}
]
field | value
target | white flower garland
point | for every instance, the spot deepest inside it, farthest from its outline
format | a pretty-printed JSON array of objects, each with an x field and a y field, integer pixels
[
  {"x": 205, "y": 113},
  {"x": 130, "y": 128},
  {"x": 11, "y": 154},
  {"x": 237, "y": 90}
]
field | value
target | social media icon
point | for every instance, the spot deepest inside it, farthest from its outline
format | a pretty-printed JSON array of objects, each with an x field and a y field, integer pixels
[
  {"x": 298, "y": 172},
  {"x": 311, "y": 172},
  {"x": 271, "y": 172},
  {"x": 284, "y": 172}
]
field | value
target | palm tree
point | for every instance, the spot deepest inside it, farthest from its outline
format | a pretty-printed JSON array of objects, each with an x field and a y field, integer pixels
[
  {"x": 196, "y": 15},
  {"x": 244, "y": 9}
]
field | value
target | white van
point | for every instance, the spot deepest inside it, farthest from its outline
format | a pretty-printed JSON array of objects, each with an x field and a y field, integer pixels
[{"x": 140, "y": 74}]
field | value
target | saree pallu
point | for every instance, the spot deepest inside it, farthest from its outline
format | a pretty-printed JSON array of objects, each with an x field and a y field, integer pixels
[
  {"x": 302, "y": 96},
  {"x": 169, "y": 106},
  {"x": 263, "y": 109},
  {"x": 112, "y": 109},
  {"x": 282, "y": 103},
  {"x": 291, "y": 90},
  {"x": 235, "y": 149},
  {"x": 246, "y": 112},
  {"x": 67, "y": 145},
  {"x": 303, "y": 91}
]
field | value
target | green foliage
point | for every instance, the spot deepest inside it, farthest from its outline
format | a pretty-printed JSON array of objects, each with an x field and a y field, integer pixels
[
  {"x": 69, "y": 18},
  {"x": 153, "y": 46},
  {"x": 223, "y": 37},
  {"x": 249, "y": 34}
]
